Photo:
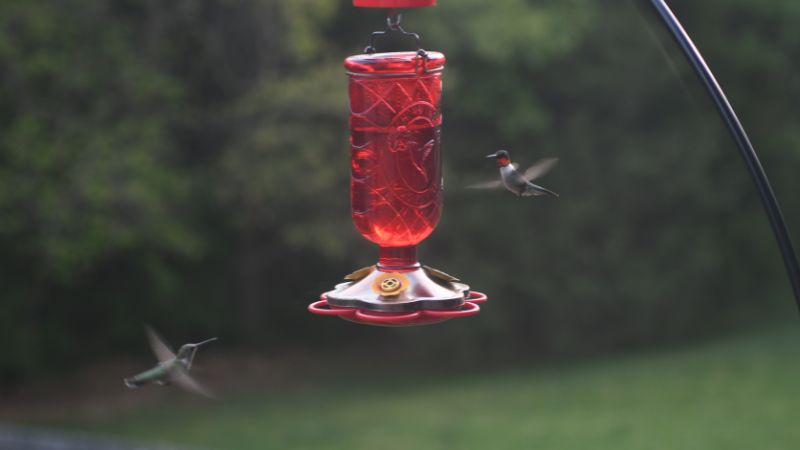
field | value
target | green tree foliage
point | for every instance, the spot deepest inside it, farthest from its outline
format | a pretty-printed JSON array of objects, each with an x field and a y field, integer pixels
[
  {"x": 185, "y": 163},
  {"x": 86, "y": 165}
]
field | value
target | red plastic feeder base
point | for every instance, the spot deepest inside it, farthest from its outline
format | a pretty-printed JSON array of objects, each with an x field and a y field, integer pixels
[{"x": 385, "y": 319}]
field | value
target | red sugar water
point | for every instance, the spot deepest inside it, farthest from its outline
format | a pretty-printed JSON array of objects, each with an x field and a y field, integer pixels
[{"x": 396, "y": 165}]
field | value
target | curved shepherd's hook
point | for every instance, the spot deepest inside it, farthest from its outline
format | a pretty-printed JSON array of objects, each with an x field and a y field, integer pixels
[{"x": 742, "y": 141}]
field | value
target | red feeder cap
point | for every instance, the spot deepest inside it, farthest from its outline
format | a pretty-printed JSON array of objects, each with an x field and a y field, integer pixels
[
  {"x": 393, "y": 3},
  {"x": 399, "y": 63}
]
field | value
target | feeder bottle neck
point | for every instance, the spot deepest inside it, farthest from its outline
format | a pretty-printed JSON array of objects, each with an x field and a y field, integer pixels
[{"x": 398, "y": 258}]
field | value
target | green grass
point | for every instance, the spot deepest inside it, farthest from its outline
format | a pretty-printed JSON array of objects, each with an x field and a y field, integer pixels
[{"x": 734, "y": 393}]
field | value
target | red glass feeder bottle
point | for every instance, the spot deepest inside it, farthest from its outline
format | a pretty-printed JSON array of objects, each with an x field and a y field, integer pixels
[{"x": 396, "y": 192}]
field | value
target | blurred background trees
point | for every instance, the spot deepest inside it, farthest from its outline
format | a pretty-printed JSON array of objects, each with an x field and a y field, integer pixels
[{"x": 185, "y": 164}]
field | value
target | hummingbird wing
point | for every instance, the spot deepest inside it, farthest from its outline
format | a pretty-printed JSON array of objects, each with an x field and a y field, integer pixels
[
  {"x": 494, "y": 184},
  {"x": 540, "y": 168},
  {"x": 185, "y": 381},
  {"x": 160, "y": 349}
]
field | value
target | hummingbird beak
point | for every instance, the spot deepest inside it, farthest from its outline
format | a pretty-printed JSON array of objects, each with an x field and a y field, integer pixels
[
  {"x": 493, "y": 155},
  {"x": 205, "y": 342}
]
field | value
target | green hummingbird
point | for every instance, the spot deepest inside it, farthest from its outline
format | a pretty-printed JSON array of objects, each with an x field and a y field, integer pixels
[{"x": 171, "y": 368}]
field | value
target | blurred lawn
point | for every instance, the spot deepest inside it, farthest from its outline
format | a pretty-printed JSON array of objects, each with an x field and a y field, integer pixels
[{"x": 739, "y": 392}]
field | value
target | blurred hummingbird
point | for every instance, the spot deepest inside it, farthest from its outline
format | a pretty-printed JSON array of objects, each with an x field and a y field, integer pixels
[
  {"x": 516, "y": 182},
  {"x": 171, "y": 368}
]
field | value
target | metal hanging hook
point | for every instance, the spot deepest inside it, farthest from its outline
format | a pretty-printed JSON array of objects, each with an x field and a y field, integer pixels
[{"x": 393, "y": 20}]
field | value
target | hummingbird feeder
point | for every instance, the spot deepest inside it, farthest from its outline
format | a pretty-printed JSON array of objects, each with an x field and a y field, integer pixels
[{"x": 396, "y": 185}]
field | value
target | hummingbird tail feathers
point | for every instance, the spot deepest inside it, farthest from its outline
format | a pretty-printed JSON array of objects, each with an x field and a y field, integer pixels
[
  {"x": 131, "y": 383},
  {"x": 533, "y": 190}
]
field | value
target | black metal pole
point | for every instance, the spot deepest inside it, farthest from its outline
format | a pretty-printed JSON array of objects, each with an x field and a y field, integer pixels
[{"x": 742, "y": 141}]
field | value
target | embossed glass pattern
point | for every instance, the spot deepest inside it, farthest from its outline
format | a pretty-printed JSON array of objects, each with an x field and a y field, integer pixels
[{"x": 395, "y": 121}]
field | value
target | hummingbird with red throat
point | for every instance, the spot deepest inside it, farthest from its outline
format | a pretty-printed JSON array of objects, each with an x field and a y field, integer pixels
[{"x": 520, "y": 183}]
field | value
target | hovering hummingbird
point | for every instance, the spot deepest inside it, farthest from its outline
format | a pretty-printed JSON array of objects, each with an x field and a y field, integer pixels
[
  {"x": 516, "y": 182},
  {"x": 171, "y": 368}
]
